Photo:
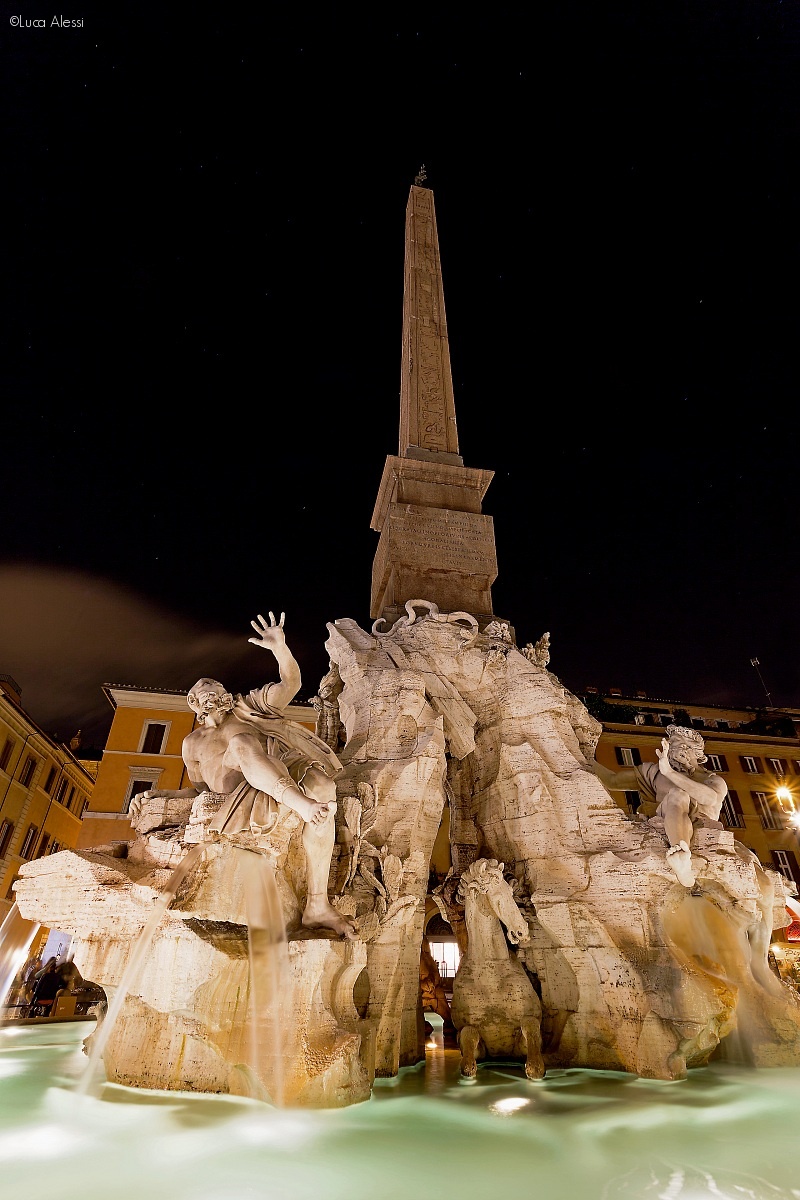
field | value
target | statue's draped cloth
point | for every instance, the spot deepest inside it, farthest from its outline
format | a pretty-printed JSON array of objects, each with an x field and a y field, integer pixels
[{"x": 295, "y": 746}]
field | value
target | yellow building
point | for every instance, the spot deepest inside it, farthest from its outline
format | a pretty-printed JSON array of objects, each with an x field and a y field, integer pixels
[
  {"x": 143, "y": 751},
  {"x": 755, "y": 753},
  {"x": 44, "y": 789}
]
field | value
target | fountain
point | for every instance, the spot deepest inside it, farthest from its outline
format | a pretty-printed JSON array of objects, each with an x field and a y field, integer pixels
[{"x": 259, "y": 939}]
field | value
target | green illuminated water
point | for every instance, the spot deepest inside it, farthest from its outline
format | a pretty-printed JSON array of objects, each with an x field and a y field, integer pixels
[{"x": 723, "y": 1133}]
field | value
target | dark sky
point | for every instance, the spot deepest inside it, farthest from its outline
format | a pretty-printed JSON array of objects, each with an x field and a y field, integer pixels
[{"x": 202, "y": 283}]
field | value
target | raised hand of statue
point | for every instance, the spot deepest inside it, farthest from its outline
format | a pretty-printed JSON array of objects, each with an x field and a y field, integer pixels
[
  {"x": 270, "y": 636},
  {"x": 664, "y": 765}
]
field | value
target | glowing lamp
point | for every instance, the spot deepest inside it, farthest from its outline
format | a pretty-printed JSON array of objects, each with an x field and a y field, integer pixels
[{"x": 786, "y": 800}]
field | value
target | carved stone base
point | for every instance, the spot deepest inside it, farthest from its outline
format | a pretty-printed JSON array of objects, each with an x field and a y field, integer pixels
[{"x": 187, "y": 1022}]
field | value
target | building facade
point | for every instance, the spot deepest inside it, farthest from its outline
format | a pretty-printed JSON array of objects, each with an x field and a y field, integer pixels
[
  {"x": 143, "y": 751},
  {"x": 44, "y": 790}
]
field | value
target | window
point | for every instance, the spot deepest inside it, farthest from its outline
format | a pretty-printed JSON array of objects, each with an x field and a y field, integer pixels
[
  {"x": 70, "y": 798},
  {"x": 749, "y": 764},
  {"x": 777, "y": 765},
  {"x": 6, "y": 834},
  {"x": 136, "y": 786},
  {"x": 10, "y": 892},
  {"x": 723, "y": 725},
  {"x": 56, "y": 846},
  {"x": 61, "y": 790},
  {"x": 26, "y": 774},
  {"x": 43, "y": 844},
  {"x": 447, "y": 956},
  {"x": 140, "y": 780},
  {"x": 797, "y": 766},
  {"x": 5, "y": 753},
  {"x": 85, "y": 806},
  {"x": 666, "y": 718},
  {"x": 731, "y": 813},
  {"x": 627, "y": 756},
  {"x": 717, "y": 762},
  {"x": 698, "y": 723},
  {"x": 30, "y": 838},
  {"x": 154, "y": 737},
  {"x": 48, "y": 783},
  {"x": 785, "y": 861},
  {"x": 632, "y": 800},
  {"x": 769, "y": 817}
]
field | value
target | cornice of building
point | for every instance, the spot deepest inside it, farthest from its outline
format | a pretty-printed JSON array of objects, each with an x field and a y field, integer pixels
[
  {"x": 708, "y": 735},
  {"x": 129, "y": 695},
  {"x": 747, "y": 711}
]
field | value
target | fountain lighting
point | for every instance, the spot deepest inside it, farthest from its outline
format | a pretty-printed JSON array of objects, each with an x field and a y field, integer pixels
[{"x": 509, "y": 1104}]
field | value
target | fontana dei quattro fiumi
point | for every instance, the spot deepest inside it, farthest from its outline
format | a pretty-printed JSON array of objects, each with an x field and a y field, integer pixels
[{"x": 616, "y": 1027}]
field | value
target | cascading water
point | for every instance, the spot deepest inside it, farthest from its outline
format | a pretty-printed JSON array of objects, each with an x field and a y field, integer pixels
[
  {"x": 270, "y": 978},
  {"x": 16, "y": 936},
  {"x": 716, "y": 950},
  {"x": 134, "y": 965}
]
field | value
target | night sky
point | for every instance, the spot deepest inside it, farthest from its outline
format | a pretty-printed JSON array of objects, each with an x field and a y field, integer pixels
[{"x": 202, "y": 290}]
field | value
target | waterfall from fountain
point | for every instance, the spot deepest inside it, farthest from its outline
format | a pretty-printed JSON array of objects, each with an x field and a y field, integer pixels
[
  {"x": 711, "y": 945},
  {"x": 16, "y": 935},
  {"x": 270, "y": 978},
  {"x": 134, "y": 965}
]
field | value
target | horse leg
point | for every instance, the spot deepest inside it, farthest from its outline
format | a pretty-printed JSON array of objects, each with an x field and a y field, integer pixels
[
  {"x": 469, "y": 1040},
  {"x": 531, "y": 1038}
]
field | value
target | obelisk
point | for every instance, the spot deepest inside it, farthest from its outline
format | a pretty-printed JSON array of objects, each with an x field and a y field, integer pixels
[{"x": 435, "y": 542}]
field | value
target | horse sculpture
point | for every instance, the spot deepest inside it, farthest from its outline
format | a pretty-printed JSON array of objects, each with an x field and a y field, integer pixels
[{"x": 495, "y": 1008}]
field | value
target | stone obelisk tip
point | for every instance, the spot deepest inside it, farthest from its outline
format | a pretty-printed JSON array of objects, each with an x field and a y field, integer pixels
[{"x": 427, "y": 406}]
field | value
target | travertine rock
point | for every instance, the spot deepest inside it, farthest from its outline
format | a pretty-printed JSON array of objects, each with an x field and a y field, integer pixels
[
  {"x": 185, "y": 1023},
  {"x": 626, "y": 983}
]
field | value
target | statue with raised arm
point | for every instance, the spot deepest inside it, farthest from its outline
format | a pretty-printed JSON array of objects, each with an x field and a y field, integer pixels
[
  {"x": 683, "y": 790},
  {"x": 253, "y": 763}
]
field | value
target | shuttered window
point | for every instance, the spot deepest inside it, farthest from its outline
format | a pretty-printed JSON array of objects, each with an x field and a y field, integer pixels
[
  {"x": 26, "y": 774},
  {"x": 767, "y": 814},
  {"x": 30, "y": 838},
  {"x": 731, "y": 813},
  {"x": 5, "y": 753},
  {"x": 6, "y": 834},
  {"x": 627, "y": 756}
]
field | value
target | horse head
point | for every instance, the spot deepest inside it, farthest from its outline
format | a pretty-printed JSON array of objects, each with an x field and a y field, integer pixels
[{"x": 484, "y": 879}]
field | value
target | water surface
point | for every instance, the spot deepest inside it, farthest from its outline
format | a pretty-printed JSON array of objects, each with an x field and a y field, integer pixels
[{"x": 723, "y": 1133}]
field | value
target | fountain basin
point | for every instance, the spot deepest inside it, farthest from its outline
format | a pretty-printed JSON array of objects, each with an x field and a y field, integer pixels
[{"x": 724, "y": 1131}]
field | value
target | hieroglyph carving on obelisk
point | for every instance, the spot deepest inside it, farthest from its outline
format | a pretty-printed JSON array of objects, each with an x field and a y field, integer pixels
[{"x": 427, "y": 408}]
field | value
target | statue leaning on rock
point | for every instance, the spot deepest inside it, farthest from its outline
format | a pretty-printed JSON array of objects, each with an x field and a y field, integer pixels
[
  {"x": 247, "y": 761},
  {"x": 683, "y": 790}
]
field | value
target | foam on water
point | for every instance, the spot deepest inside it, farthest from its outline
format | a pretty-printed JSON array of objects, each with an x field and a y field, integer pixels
[{"x": 724, "y": 1133}]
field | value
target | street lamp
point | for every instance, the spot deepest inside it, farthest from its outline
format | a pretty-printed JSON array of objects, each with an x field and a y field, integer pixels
[{"x": 786, "y": 800}]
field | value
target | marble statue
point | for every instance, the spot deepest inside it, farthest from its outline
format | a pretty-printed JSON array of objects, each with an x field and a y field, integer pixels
[
  {"x": 538, "y": 653},
  {"x": 247, "y": 761},
  {"x": 684, "y": 792},
  {"x": 495, "y": 1008}
]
